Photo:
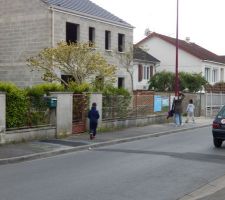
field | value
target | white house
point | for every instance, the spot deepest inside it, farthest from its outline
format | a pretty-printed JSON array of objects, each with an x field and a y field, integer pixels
[
  {"x": 28, "y": 26},
  {"x": 144, "y": 66},
  {"x": 192, "y": 57}
]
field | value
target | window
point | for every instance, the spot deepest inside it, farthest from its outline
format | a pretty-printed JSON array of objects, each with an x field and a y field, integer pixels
[
  {"x": 120, "y": 82},
  {"x": 207, "y": 74},
  {"x": 140, "y": 72},
  {"x": 146, "y": 73},
  {"x": 91, "y": 36},
  {"x": 72, "y": 32},
  {"x": 107, "y": 40},
  {"x": 67, "y": 78},
  {"x": 214, "y": 75},
  {"x": 121, "y": 42}
]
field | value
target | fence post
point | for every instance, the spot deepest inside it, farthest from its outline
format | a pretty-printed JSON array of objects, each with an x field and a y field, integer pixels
[
  {"x": 64, "y": 113},
  {"x": 97, "y": 98},
  {"x": 211, "y": 110},
  {"x": 2, "y": 117}
]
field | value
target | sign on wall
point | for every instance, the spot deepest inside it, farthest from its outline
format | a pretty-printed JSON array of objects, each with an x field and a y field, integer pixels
[{"x": 157, "y": 103}]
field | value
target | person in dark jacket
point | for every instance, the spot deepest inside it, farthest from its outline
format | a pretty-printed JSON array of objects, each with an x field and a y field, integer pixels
[
  {"x": 177, "y": 103},
  {"x": 93, "y": 116}
]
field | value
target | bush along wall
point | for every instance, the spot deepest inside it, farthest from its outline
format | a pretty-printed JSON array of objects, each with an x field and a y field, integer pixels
[
  {"x": 26, "y": 107},
  {"x": 16, "y": 104}
]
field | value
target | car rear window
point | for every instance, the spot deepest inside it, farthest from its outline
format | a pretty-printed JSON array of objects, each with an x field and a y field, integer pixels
[{"x": 221, "y": 113}]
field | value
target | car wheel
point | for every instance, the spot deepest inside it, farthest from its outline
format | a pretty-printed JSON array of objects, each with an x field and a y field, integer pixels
[{"x": 217, "y": 142}]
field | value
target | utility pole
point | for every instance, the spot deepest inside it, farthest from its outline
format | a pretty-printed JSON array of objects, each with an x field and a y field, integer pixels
[{"x": 177, "y": 45}]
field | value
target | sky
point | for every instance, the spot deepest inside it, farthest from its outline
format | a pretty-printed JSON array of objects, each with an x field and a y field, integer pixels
[{"x": 203, "y": 21}]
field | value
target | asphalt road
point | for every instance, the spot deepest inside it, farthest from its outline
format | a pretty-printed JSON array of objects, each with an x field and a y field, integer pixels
[{"x": 160, "y": 168}]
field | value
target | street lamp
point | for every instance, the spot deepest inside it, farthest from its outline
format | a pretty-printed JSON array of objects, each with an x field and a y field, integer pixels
[{"x": 177, "y": 44}]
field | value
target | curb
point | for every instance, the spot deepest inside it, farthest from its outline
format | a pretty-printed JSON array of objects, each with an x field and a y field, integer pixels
[
  {"x": 64, "y": 150},
  {"x": 206, "y": 190}
]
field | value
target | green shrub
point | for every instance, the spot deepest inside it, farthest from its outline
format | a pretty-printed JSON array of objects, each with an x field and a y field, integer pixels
[
  {"x": 78, "y": 88},
  {"x": 112, "y": 91},
  {"x": 44, "y": 88},
  {"x": 16, "y": 104}
]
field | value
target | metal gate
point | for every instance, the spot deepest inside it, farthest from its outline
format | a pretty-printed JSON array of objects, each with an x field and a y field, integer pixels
[
  {"x": 80, "y": 107},
  {"x": 213, "y": 103}
]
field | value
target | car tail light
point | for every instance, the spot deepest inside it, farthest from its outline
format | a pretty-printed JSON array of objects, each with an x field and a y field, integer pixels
[{"x": 215, "y": 125}]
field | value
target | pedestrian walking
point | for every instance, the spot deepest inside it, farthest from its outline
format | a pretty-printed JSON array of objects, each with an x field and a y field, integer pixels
[
  {"x": 177, "y": 103},
  {"x": 190, "y": 111},
  {"x": 93, "y": 116}
]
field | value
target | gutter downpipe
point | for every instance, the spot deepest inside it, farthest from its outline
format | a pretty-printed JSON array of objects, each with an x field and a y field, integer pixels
[{"x": 53, "y": 27}]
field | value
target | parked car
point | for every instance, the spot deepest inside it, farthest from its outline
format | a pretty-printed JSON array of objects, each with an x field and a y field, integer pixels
[{"x": 218, "y": 128}]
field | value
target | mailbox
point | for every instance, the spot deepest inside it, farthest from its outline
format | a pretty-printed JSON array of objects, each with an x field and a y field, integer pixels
[{"x": 52, "y": 102}]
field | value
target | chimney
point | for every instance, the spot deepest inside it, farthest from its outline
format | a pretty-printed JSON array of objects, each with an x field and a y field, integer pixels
[{"x": 187, "y": 39}]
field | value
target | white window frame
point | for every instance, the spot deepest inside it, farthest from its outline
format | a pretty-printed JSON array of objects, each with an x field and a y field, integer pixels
[
  {"x": 215, "y": 75},
  {"x": 146, "y": 72},
  {"x": 208, "y": 74}
]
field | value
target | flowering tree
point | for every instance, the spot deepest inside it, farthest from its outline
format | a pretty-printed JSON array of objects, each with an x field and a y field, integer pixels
[{"x": 80, "y": 60}]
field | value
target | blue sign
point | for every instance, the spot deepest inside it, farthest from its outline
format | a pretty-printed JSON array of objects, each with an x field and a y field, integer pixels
[{"x": 157, "y": 103}]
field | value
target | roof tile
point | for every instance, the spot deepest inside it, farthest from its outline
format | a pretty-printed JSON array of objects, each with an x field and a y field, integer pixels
[{"x": 89, "y": 8}]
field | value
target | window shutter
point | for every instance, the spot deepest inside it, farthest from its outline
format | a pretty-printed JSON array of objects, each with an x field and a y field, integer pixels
[
  {"x": 140, "y": 72},
  {"x": 151, "y": 71}
]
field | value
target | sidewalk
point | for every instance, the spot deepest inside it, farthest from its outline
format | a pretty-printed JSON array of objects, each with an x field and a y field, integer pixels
[{"x": 40, "y": 149}]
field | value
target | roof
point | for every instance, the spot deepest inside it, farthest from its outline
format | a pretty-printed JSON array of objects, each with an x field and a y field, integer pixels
[
  {"x": 223, "y": 58},
  {"x": 140, "y": 54},
  {"x": 189, "y": 47},
  {"x": 87, "y": 7}
]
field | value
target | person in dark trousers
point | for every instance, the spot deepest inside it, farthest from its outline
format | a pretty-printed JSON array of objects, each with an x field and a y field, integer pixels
[
  {"x": 177, "y": 103},
  {"x": 93, "y": 116}
]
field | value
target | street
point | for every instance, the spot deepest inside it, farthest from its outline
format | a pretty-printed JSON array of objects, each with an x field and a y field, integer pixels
[{"x": 158, "y": 168}]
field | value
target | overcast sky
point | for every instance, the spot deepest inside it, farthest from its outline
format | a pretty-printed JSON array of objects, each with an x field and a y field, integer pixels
[{"x": 201, "y": 20}]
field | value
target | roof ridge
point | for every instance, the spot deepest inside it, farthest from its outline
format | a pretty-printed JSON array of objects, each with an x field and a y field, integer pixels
[{"x": 190, "y": 47}]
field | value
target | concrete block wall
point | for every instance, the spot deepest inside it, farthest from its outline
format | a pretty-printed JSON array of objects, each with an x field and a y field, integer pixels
[
  {"x": 60, "y": 19},
  {"x": 25, "y": 29}
]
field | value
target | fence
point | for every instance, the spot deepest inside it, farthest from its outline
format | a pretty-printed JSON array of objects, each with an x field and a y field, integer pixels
[
  {"x": 121, "y": 107},
  {"x": 36, "y": 114},
  {"x": 213, "y": 103}
]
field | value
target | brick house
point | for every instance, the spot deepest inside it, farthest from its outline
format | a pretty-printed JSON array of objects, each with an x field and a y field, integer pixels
[
  {"x": 28, "y": 26},
  {"x": 192, "y": 57}
]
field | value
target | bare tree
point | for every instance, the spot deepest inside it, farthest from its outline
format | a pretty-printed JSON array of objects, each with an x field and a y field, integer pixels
[{"x": 126, "y": 61}]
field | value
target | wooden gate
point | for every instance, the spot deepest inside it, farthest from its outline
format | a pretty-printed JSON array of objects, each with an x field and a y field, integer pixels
[{"x": 80, "y": 107}]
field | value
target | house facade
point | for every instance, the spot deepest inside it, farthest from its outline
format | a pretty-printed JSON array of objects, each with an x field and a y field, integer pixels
[
  {"x": 28, "y": 26},
  {"x": 144, "y": 66},
  {"x": 191, "y": 57}
]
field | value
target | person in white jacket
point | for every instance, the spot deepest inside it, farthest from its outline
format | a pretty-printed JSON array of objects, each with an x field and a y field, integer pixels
[{"x": 190, "y": 111}]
